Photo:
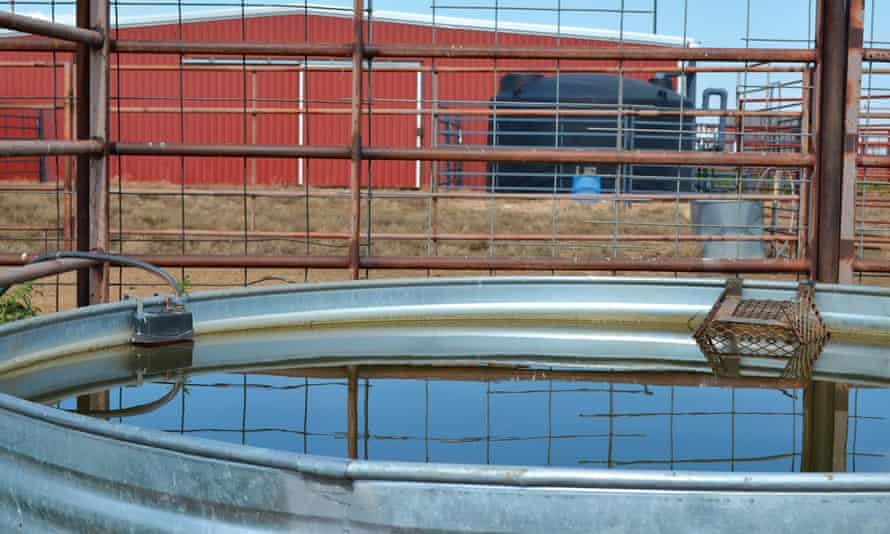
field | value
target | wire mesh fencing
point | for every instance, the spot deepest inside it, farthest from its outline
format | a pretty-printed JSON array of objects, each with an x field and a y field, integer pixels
[{"x": 248, "y": 142}]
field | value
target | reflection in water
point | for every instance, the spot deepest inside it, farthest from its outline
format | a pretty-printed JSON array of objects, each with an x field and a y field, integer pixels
[{"x": 502, "y": 416}]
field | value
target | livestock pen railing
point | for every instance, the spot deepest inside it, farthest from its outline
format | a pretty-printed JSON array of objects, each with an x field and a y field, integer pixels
[{"x": 357, "y": 143}]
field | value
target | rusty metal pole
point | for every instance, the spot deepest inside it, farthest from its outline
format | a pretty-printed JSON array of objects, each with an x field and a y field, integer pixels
[
  {"x": 355, "y": 168},
  {"x": 352, "y": 410},
  {"x": 826, "y": 404},
  {"x": 855, "y": 41},
  {"x": 82, "y": 126},
  {"x": 833, "y": 69},
  {"x": 68, "y": 108},
  {"x": 92, "y": 171},
  {"x": 99, "y": 235}
]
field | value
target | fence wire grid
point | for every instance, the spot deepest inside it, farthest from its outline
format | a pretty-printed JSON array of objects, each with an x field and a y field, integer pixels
[{"x": 249, "y": 142}]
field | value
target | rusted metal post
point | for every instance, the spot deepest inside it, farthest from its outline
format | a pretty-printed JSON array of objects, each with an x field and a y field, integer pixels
[
  {"x": 825, "y": 427},
  {"x": 352, "y": 410},
  {"x": 68, "y": 191},
  {"x": 825, "y": 404},
  {"x": 833, "y": 68},
  {"x": 98, "y": 192},
  {"x": 251, "y": 200},
  {"x": 434, "y": 165},
  {"x": 82, "y": 120},
  {"x": 355, "y": 168},
  {"x": 851, "y": 140},
  {"x": 806, "y": 147},
  {"x": 92, "y": 170}
]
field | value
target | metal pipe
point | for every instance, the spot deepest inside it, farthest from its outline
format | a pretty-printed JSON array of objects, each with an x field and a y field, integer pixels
[
  {"x": 28, "y": 44},
  {"x": 754, "y": 55},
  {"x": 98, "y": 197},
  {"x": 232, "y": 48},
  {"x": 468, "y": 263},
  {"x": 352, "y": 411},
  {"x": 14, "y": 148},
  {"x": 391, "y": 236},
  {"x": 453, "y": 68},
  {"x": 355, "y": 164},
  {"x": 219, "y": 261},
  {"x": 55, "y": 30},
  {"x": 231, "y": 150},
  {"x": 405, "y": 194},
  {"x": 82, "y": 131},
  {"x": 876, "y": 54},
  {"x": 478, "y": 111},
  {"x": 871, "y": 266},
  {"x": 33, "y": 271},
  {"x": 877, "y": 162},
  {"x": 632, "y": 157},
  {"x": 236, "y": 261},
  {"x": 637, "y": 157},
  {"x": 688, "y": 265},
  {"x": 831, "y": 138},
  {"x": 819, "y": 429},
  {"x": 847, "y": 246}
]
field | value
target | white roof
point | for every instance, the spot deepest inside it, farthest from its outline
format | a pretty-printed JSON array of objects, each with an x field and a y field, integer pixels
[{"x": 404, "y": 18}]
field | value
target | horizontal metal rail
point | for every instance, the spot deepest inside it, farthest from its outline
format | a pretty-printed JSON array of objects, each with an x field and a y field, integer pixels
[
  {"x": 230, "y": 48},
  {"x": 594, "y": 53},
  {"x": 9, "y": 148},
  {"x": 38, "y": 270},
  {"x": 384, "y": 67},
  {"x": 687, "y": 265},
  {"x": 876, "y": 54},
  {"x": 464, "y": 111},
  {"x": 263, "y": 192},
  {"x": 873, "y": 161},
  {"x": 391, "y": 51},
  {"x": 233, "y": 150},
  {"x": 30, "y": 44},
  {"x": 460, "y": 263},
  {"x": 871, "y": 266},
  {"x": 392, "y": 236},
  {"x": 639, "y": 157},
  {"x": 43, "y": 28},
  {"x": 727, "y": 159}
]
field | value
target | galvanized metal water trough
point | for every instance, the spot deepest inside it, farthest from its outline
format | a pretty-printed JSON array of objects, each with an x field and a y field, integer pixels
[{"x": 66, "y": 472}]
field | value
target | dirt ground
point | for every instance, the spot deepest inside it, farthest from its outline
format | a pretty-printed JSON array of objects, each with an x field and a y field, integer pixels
[{"x": 161, "y": 208}]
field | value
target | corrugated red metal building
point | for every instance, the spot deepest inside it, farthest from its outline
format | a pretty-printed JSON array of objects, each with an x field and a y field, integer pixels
[{"x": 165, "y": 98}]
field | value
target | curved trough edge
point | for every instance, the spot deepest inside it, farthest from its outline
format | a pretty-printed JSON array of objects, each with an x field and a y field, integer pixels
[{"x": 239, "y": 309}]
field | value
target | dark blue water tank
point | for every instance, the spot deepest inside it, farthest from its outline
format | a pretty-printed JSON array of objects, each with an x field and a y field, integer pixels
[{"x": 588, "y": 91}]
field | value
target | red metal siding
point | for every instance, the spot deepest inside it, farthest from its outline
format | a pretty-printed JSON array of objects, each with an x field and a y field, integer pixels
[{"x": 326, "y": 118}]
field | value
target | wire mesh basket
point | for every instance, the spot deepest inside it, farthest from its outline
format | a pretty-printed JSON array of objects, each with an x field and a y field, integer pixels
[{"x": 790, "y": 331}]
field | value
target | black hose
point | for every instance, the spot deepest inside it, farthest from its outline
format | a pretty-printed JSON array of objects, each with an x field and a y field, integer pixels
[{"x": 109, "y": 258}]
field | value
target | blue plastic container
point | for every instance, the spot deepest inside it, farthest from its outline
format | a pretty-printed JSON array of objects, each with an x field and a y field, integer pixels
[{"x": 587, "y": 185}]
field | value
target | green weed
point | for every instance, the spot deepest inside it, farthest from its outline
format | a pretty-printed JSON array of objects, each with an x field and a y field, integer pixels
[{"x": 16, "y": 304}]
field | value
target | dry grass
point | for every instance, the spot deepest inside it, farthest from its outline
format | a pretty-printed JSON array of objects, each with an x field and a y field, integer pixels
[
  {"x": 163, "y": 209},
  {"x": 169, "y": 212}
]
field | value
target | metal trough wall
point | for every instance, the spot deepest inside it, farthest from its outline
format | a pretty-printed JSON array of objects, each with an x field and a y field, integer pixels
[
  {"x": 69, "y": 472},
  {"x": 817, "y": 232}
]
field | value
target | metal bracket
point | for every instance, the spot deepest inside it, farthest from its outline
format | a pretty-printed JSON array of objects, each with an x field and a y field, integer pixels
[
  {"x": 790, "y": 331},
  {"x": 172, "y": 325}
]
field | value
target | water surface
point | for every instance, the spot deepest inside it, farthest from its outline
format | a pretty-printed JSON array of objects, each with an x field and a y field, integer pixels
[{"x": 507, "y": 416}]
